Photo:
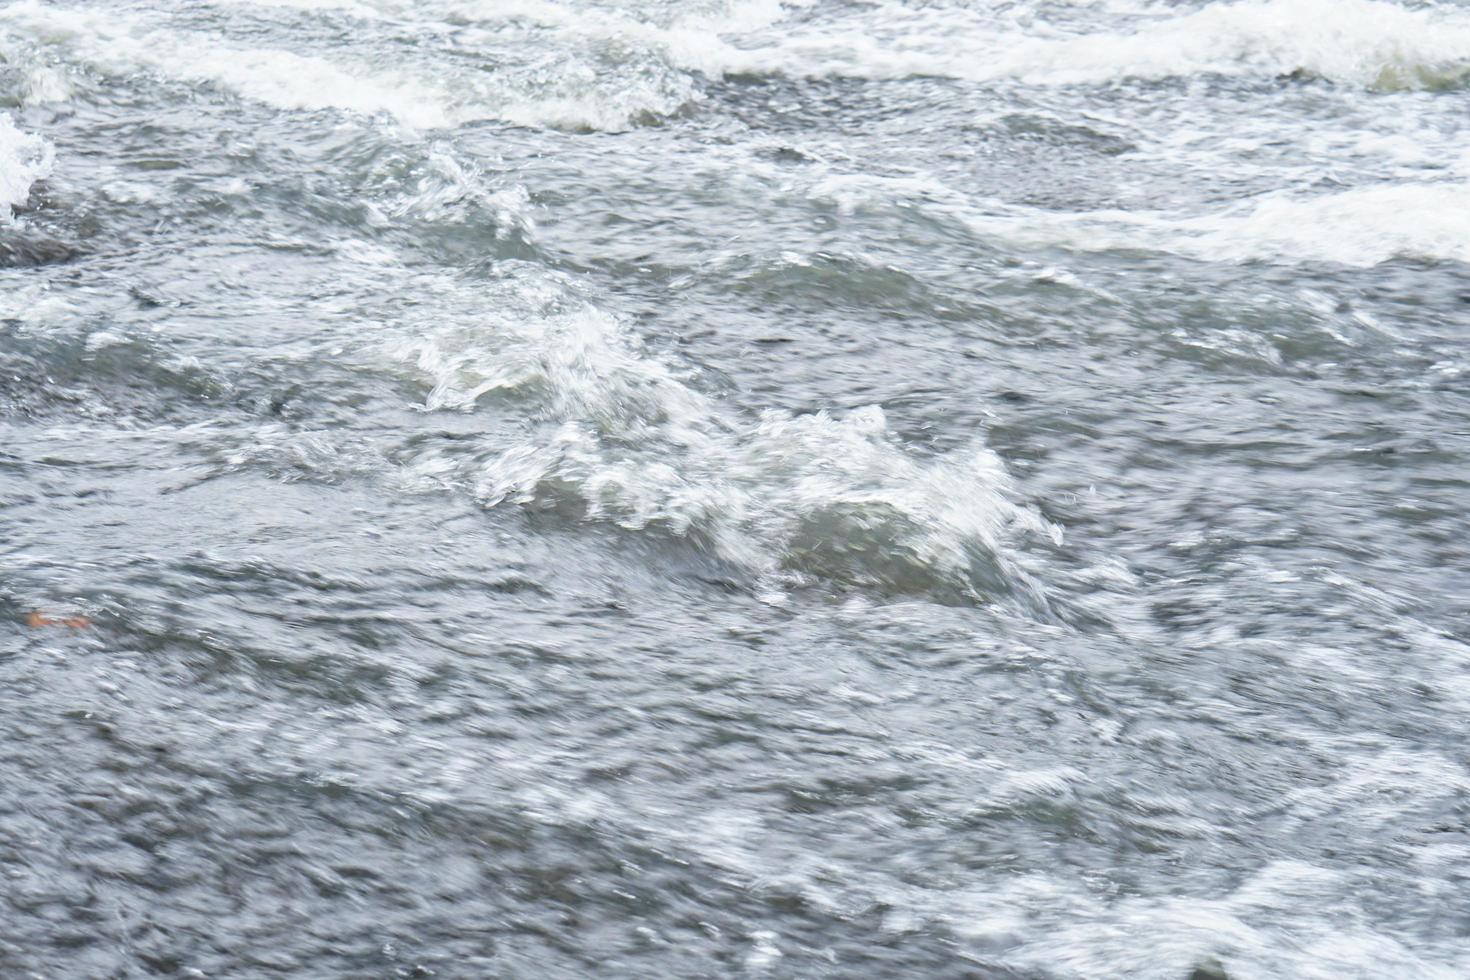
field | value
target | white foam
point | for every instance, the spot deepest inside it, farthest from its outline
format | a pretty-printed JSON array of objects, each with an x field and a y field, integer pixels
[
  {"x": 350, "y": 7},
  {"x": 24, "y": 159},
  {"x": 34, "y": 301},
  {"x": 624, "y": 438},
  {"x": 1362, "y": 226},
  {"x": 448, "y": 190},
  {"x": 1283, "y": 917},
  {"x": 420, "y": 98},
  {"x": 1358, "y": 227},
  {"x": 1358, "y": 42},
  {"x": 120, "y": 44},
  {"x": 46, "y": 85},
  {"x": 622, "y": 66},
  {"x": 1259, "y": 930}
]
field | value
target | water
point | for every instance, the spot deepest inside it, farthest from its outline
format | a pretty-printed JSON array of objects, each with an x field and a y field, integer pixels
[{"x": 808, "y": 489}]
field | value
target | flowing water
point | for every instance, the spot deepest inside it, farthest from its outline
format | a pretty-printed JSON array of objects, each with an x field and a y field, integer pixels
[{"x": 663, "y": 488}]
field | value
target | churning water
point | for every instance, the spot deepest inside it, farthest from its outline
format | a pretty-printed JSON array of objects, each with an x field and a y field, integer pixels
[{"x": 824, "y": 488}]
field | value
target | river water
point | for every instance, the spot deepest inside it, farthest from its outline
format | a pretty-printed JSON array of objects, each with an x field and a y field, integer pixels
[{"x": 639, "y": 488}]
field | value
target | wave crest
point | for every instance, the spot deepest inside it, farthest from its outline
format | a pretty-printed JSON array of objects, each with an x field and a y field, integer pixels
[
  {"x": 581, "y": 95},
  {"x": 1357, "y": 42},
  {"x": 24, "y": 159},
  {"x": 612, "y": 433}
]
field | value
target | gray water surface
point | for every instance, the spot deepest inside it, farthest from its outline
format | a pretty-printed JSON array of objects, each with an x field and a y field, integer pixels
[{"x": 673, "y": 489}]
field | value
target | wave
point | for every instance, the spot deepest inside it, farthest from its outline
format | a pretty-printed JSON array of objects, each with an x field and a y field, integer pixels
[
  {"x": 1361, "y": 226},
  {"x": 1358, "y": 42},
  {"x": 1258, "y": 927},
  {"x": 120, "y": 44},
  {"x": 617, "y": 69},
  {"x": 612, "y": 433},
  {"x": 424, "y": 98},
  {"x": 24, "y": 159}
]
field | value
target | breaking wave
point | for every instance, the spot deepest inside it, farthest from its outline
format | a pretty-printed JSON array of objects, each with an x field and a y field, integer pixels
[
  {"x": 583, "y": 95},
  {"x": 24, "y": 159},
  {"x": 1357, "y": 42},
  {"x": 620, "y": 436},
  {"x": 1361, "y": 226},
  {"x": 624, "y": 69}
]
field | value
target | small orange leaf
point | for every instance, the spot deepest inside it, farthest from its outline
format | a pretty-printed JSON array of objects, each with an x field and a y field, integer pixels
[{"x": 35, "y": 620}]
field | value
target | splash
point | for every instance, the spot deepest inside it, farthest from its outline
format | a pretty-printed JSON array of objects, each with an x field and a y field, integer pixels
[
  {"x": 619, "y": 436},
  {"x": 24, "y": 159}
]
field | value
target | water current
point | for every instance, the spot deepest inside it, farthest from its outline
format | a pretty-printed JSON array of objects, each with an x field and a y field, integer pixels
[{"x": 673, "y": 488}]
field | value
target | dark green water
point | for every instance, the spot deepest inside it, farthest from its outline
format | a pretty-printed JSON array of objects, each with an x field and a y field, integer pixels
[{"x": 833, "y": 489}]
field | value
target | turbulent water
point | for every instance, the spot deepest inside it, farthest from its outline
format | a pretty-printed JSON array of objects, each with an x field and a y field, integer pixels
[{"x": 926, "y": 488}]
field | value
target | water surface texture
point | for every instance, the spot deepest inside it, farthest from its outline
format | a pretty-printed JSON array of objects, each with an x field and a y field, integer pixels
[{"x": 673, "y": 488}]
